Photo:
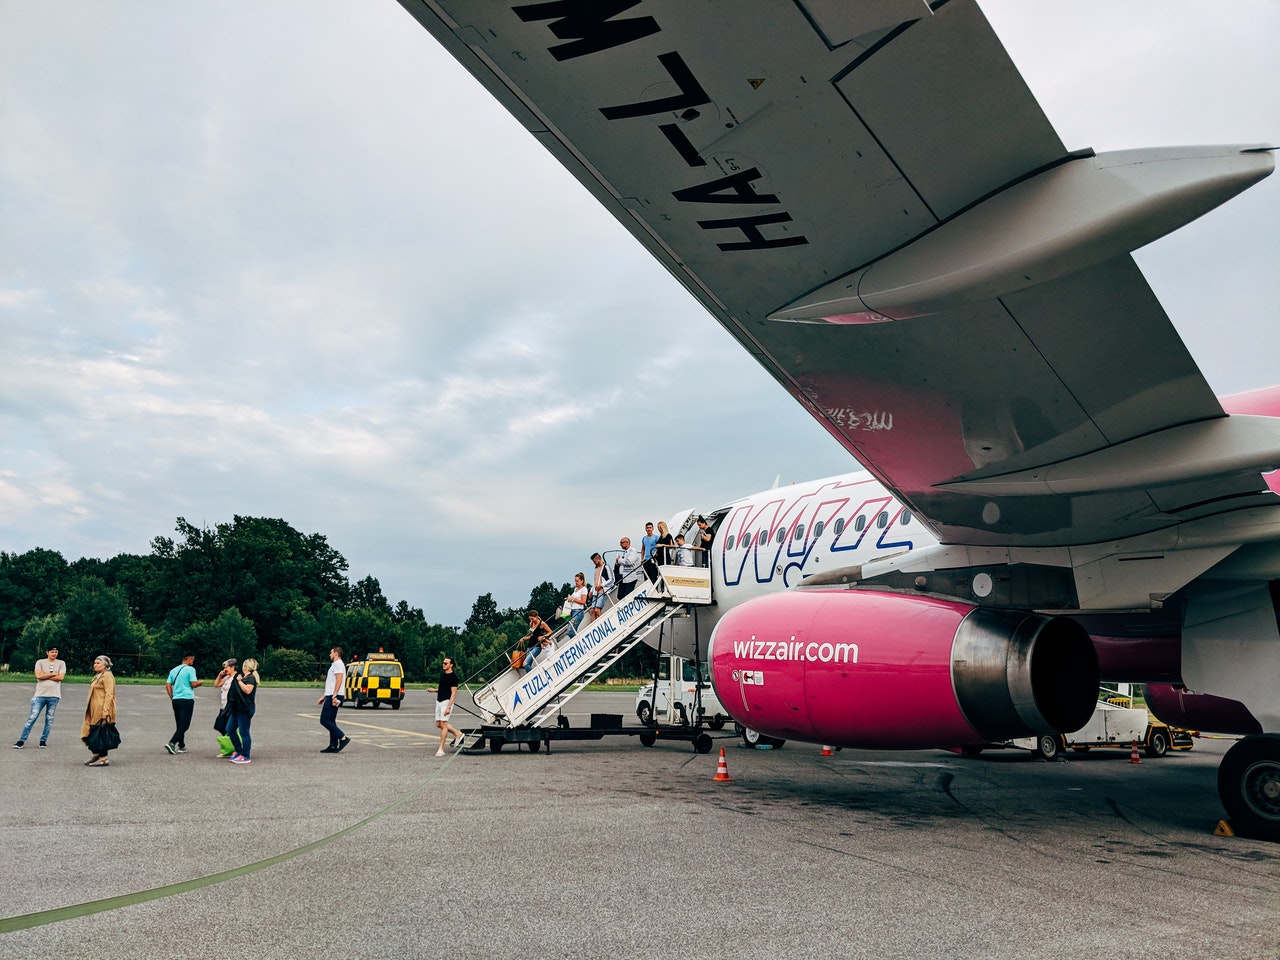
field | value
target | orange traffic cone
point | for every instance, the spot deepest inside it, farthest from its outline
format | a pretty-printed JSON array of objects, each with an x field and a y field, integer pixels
[
  {"x": 827, "y": 751},
  {"x": 1133, "y": 753},
  {"x": 722, "y": 770}
]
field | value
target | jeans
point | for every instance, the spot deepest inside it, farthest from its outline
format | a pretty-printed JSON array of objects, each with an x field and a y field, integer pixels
[
  {"x": 329, "y": 720},
  {"x": 49, "y": 705},
  {"x": 575, "y": 619},
  {"x": 533, "y": 653},
  {"x": 182, "y": 713},
  {"x": 238, "y": 730}
]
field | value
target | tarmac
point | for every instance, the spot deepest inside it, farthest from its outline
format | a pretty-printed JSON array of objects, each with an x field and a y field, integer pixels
[{"x": 605, "y": 848}]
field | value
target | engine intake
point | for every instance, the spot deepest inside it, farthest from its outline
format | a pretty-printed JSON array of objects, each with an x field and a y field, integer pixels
[{"x": 874, "y": 669}]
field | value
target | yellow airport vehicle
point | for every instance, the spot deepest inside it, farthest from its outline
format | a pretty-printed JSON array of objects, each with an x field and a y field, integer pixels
[{"x": 375, "y": 680}]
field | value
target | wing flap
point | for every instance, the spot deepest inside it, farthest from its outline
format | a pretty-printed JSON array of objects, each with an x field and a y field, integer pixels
[{"x": 951, "y": 109}]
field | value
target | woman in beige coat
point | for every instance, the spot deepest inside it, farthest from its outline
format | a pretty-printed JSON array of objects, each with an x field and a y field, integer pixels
[{"x": 101, "y": 705}]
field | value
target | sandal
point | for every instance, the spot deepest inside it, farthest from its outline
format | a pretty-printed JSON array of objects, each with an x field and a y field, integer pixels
[{"x": 98, "y": 763}]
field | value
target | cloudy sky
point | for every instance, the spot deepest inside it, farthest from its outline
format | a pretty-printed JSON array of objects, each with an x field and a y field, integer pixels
[{"x": 286, "y": 259}]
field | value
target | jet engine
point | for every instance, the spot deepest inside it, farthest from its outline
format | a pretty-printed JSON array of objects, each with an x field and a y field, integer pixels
[{"x": 872, "y": 669}]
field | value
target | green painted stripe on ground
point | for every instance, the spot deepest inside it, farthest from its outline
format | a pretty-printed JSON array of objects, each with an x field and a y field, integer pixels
[{"x": 26, "y": 920}]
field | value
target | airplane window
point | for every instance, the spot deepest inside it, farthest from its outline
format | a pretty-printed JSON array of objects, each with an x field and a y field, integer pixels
[
  {"x": 860, "y": 523},
  {"x": 817, "y": 530},
  {"x": 882, "y": 521},
  {"x": 782, "y": 535},
  {"x": 799, "y": 534},
  {"x": 729, "y": 543},
  {"x": 905, "y": 518},
  {"x": 762, "y": 538},
  {"x": 839, "y": 525}
]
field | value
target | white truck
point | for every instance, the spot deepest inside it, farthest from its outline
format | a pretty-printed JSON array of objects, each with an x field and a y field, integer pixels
[
  {"x": 1114, "y": 724},
  {"x": 693, "y": 700}
]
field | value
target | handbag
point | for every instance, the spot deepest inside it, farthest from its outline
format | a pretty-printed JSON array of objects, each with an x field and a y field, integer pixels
[
  {"x": 517, "y": 659},
  {"x": 220, "y": 721},
  {"x": 103, "y": 737},
  {"x": 565, "y": 611}
]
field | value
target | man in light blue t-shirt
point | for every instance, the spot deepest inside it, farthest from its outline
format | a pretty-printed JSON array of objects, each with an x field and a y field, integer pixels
[{"x": 181, "y": 689}]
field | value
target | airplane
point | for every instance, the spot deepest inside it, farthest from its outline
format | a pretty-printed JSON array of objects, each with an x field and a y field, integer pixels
[{"x": 868, "y": 198}]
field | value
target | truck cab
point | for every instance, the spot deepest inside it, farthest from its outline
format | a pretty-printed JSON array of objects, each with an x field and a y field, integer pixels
[{"x": 688, "y": 701}]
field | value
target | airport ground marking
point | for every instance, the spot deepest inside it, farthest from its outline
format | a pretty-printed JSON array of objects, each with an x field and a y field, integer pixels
[
  {"x": 374, "y": 726},
  {"x": 90, "y": 907}
]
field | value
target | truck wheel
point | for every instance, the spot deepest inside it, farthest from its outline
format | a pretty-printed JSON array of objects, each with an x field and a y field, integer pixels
[
  {"x": 645, "y": 712},
  {"x": 1157, "y": 743},
  {"x": 717, "y": 722},
  {"x": 1249, "y": 786},
  {"x": 1048, "y": 747},
  {"x": 648, "y": 739},
  {"x": 702, "y": 743},
  {"x": 971, "y": 749},
  {"x": 395, "y": 704},
  {"x": 495, "y": 745},
  {"x": 753, "y": 737},
  {"x": 535, "y": 746}
]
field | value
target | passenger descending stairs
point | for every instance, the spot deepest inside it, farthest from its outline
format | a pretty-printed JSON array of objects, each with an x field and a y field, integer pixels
[
  {"x": 554, "y": 706},
  {"x": 531, "y": 698}
]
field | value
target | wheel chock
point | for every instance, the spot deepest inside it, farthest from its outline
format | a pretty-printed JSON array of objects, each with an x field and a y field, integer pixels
[{"x": 1223, "y": 829}]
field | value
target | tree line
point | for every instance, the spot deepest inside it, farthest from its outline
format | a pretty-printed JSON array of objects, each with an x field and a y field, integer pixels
[{"x": 254, "y": 587}]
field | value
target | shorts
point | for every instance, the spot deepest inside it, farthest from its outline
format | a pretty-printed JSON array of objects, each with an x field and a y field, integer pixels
[
  {"x": 441, "y": 707},
  {"x": 600, "y": 600}
]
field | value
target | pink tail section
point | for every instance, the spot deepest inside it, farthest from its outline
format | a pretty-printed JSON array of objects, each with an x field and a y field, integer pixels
[{"x": 1257, "y": 403}]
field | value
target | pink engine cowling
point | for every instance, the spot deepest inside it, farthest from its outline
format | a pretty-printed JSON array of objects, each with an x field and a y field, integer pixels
[{"x": 870, "y": 669}]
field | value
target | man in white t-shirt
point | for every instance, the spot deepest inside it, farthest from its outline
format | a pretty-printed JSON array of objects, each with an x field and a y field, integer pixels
[
  {"x": 49, "y": 673},
  {"x": 330, "y": 700}
]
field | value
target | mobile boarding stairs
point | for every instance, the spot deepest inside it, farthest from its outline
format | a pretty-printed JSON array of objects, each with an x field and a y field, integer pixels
[{"x": 519, "y": 704}]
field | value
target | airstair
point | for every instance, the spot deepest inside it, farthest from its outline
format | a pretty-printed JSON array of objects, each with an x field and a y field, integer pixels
[{"x": 529, "y": 699}]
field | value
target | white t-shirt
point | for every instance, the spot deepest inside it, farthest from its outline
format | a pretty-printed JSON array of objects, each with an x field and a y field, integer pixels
[
  {"x": 578, "y": 598},
  {"x": 336, "y": 669},
  {"x": 50, "y": 688}
]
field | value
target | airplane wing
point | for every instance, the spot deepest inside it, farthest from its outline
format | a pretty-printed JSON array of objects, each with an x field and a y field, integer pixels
[{"x": 869, "y": 199}]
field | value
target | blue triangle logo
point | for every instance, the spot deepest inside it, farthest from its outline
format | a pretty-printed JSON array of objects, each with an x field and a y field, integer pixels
[{"x": 515, "y": 703}]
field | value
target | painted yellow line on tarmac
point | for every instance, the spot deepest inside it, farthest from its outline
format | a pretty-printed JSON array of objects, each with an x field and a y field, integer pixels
[{"x": 374, "y": 726}]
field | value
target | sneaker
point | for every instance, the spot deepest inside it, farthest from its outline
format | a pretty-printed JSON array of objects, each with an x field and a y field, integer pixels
[
  {"x": 43, "y": 745},
  {"x": 239, "y": 758},
  {"x": 171, "y": 747},
  {"x": 182, "y": 749},
  {"x": 439, "y": 753},
  {"x": 342, "y": 744},
  {"x": 457, "y": 741},
  {"x": 329, "y": 750},
  {"x": 20, "y": 744}
]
